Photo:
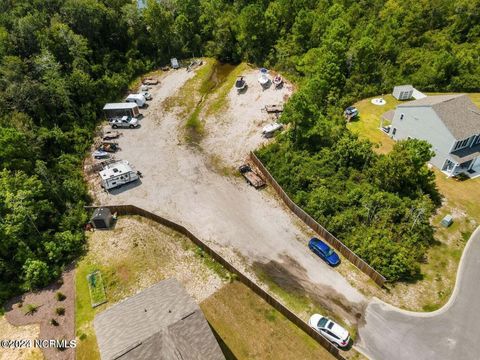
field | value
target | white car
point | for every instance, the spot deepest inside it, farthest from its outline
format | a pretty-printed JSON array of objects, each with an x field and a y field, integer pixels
[
  {"x": 146, "y": 95},
  {"x": 270, "y": 129},
  {"x": 330, "y": 329},
  {"x": 124, "y": 122}
]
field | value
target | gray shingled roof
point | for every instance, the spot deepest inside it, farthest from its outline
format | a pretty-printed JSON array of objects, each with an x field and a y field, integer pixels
[
  {"x": 459, "y": 114},
  {"x": 161, "y": 322}
]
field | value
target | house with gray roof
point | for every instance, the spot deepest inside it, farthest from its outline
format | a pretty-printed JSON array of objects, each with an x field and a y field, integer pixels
[
  {"x": 161, "y": 322},
  {"x": 450, "y": 123}
]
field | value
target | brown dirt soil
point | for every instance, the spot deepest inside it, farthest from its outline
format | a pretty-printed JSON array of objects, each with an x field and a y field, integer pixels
[{"x": 46, "y": 301}]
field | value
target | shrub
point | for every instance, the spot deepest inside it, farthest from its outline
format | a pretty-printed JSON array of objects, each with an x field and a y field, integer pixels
[
  {"x": 60, "y": 296},
  {"x": 54, "y": 322},
  {"x": 60, "y": 311},
  {"x": 31, "y": 309}
]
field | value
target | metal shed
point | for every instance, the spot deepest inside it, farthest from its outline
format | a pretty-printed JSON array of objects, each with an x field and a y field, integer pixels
[
  {"x": 102, "y": 218},
  {"x": 403, "y": 92}
]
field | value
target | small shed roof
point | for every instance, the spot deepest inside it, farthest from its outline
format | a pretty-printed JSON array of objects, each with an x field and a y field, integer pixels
[
  {"x": 119, "y": 106},
  {"x": 101, "y": 213}
]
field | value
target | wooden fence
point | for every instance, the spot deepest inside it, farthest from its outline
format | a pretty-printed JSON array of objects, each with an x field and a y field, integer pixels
[
  {"x": 290, "y": 315},
  {"x": 378, "y": 278}
]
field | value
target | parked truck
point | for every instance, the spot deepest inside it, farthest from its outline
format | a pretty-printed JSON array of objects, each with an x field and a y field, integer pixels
[{"x": 117, "y": 174}]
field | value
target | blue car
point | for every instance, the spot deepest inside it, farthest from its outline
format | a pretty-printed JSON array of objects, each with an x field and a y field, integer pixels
[{"x": 324, "y": 251}]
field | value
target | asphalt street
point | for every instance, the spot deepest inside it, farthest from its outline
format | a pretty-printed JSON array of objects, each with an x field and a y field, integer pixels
[{"x": 452, "y": 332}]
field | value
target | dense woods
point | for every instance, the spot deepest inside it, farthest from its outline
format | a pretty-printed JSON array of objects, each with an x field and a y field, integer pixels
[{"x": 61, "y": 60}]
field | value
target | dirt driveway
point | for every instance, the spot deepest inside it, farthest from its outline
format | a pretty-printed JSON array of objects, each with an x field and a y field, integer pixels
[{"x": 181, "y": 184}]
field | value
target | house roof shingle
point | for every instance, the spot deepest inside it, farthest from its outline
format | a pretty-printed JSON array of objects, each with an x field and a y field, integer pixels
[
  {"x": 161, "y": 322},
  {"x": 459, "y": 114}
]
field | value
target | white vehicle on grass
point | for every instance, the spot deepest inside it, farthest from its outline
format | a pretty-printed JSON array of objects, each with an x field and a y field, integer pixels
[{"x": 330, "y": 329}]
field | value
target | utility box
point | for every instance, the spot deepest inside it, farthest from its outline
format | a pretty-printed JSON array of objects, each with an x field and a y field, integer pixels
[
  {"x": 447, "y": 221},
  {"x": 102, "y": 218}
]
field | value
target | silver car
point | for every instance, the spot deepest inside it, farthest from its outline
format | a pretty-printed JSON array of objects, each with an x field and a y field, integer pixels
[{"x": 124, "y": 122}]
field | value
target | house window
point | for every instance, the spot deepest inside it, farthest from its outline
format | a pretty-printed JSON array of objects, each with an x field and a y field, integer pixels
[
  {"x": 402, "y": 116},
  {"x": 394, "y": 131},
  {"x": 461, "y": 144},
  {"x": 477, "y": 140}
]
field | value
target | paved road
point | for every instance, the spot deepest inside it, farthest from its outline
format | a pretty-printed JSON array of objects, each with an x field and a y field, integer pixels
[{"x": 452, "y": 332}]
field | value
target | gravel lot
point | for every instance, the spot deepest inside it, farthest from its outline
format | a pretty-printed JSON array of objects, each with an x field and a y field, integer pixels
[{"x": 180, "y": 183}]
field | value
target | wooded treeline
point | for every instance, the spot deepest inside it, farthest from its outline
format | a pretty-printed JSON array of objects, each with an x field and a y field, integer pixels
[{"x": 61, "y": 60}]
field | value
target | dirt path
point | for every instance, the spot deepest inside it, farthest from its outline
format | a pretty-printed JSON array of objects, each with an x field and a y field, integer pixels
[{"x": 179, "y": 183}]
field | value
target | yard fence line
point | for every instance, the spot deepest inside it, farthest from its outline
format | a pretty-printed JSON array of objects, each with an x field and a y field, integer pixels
[
  {"x": 378, "y": 278},
  {"x": 285, "y": 311}
]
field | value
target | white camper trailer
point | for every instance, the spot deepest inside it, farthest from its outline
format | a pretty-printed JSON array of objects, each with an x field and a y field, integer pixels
[
  {"x": 138, "y": 99},
  {"x": 117, "y": 174}
]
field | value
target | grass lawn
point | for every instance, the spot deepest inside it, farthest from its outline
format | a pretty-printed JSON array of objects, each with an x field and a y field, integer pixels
[
  {"x": 368, "y": 122},
  {"x": 460, "y": 200},
  {"x": 237, "y": 314}
]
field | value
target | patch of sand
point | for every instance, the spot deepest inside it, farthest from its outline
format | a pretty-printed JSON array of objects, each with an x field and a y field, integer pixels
[{"x": 10, "y": 332}]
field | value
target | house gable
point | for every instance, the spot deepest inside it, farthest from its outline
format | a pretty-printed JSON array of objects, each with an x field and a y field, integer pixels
[{"x": 422, "y": 122}]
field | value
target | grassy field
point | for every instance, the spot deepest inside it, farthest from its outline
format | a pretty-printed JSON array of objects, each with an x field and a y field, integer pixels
[
  {"x": 460, "y": 200},
  {"x": 138, "y": 253},
  {"x": 368, "y": 122},
  {"x": 237, "y": 314}
]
